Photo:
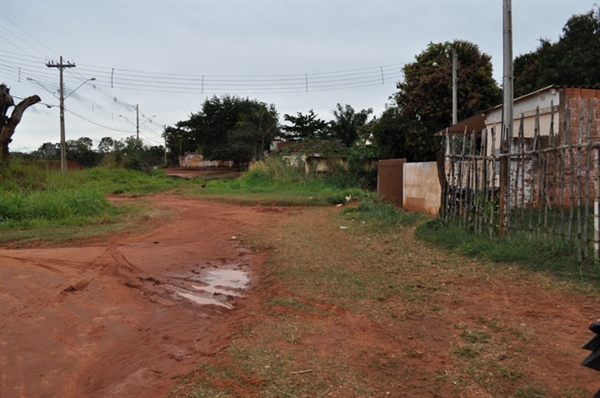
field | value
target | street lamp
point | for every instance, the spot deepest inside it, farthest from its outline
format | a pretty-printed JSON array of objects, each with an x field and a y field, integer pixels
[
  {"x": 63, "y": 147},
  {"x": 41, "y": 85}
]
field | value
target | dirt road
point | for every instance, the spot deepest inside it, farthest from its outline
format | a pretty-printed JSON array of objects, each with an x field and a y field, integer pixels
[
  {"x": 121, "y": 317},
  {"x": 124, "y": 316}
]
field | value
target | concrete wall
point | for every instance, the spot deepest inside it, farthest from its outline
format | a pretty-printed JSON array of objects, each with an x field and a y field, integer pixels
[
  {"x": 422, "y": 191},
  {"x": 194, "y": 160}
]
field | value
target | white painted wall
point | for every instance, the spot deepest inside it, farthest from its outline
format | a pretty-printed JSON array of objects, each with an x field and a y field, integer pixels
[{"x": 422, "y": 191}]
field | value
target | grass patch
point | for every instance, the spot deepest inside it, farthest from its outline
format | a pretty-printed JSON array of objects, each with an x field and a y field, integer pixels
[
  {"x": 555, "y": 258},
  {"x": 38, "y": 204},
  {"x": 274, "y": 183},
  {"x": 381, "y": 216},
  {"x": 293, "y": 303}
]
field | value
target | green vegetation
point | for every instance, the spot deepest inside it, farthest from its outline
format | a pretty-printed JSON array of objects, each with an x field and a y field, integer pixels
[
  {"x": 130, "y": 152},
  {"x": 571, "y": 61},
  {"x": 36, "y": 202},
  {"x": 555, "y": 257},
  {"x": 382, "y": 215},
  {"x": 272, "y": 182}
]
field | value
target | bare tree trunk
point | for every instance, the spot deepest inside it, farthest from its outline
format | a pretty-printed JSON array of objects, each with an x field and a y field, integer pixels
[{"x": 9, "y": 124}]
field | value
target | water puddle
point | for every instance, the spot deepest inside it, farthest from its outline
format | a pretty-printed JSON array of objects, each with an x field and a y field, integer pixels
[{"x": 219, "y": 287}]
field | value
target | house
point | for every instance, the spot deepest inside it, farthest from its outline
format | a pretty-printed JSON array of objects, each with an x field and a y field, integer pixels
[
  {"x": 552, "y": 102},
  {"x": 555, "y": 130}
]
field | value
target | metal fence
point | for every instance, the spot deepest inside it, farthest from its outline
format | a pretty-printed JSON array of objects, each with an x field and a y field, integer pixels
[{"x": 543, "y": 185}]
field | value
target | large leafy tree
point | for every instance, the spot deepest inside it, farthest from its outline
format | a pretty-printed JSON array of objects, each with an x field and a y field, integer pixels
[
  {"x": 395, "y": 135},
  {"x": 572, "y": 61},
  {"x": 304, "y": 127},
  {"x": 347, "y": 123},
  {"x": 425, "y": 95},
  {"x": 228, "y": 127},
  {"x": 179, "y": 140}
]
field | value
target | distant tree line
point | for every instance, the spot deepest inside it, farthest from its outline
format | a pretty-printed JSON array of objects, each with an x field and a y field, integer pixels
[{"x": 129, "y": 152}]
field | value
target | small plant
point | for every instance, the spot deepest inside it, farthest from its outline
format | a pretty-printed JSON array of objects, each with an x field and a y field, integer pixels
[{"x": 382, "y": 213}]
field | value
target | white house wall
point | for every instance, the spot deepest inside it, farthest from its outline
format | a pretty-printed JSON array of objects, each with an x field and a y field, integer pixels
[{"x": 527, "y": 106}]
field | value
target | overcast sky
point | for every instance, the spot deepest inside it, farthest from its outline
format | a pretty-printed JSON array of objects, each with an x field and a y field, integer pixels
[{"x": 169, "y": 56}]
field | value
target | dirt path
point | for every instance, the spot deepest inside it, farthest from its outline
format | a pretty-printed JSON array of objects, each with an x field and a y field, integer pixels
[
  {"x": 124, "y": 316},
  {"x": 120, "y": 318}
]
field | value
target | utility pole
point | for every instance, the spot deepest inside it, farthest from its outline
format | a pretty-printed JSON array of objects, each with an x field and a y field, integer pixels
[
  {"x": 507, "y": 118},
  {"x": 165, "y": 135},
  {"x": 454, "y": 85},
  {"x": 137, "y": 120},
  {"x": 63, "y": 149}
]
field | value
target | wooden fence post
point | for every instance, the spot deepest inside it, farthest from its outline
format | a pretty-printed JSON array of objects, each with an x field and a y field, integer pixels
[{"x": 597, "y": 203}]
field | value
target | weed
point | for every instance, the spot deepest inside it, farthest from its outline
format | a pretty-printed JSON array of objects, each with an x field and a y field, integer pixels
[
  {"x": 531, "y": 391},
  {"x": 465, "y": 352},
  {"x": 475, "y": 337}
]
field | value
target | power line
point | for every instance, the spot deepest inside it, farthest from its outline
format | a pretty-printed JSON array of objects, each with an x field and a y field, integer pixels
[
  {"x": 18, "y": 37},
  {"x": 111, "y": 78},
  {"x": 23, "y": 63}
]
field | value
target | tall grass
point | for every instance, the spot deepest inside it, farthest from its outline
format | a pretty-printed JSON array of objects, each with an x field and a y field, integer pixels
[
  {"x": 274, "y": 181},
  {"x": 32, "y": 196},
  {"x": 65, "y": 206}
]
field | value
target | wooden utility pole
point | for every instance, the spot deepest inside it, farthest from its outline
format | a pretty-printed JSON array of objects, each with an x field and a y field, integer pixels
[
  {"x": 63, "y": 149},
  {"x": 507, "y": 119},
  {"x": 165, "y": 135},
  {"x": 454, "y": 85},
  {"x": 137, "y": 121}
]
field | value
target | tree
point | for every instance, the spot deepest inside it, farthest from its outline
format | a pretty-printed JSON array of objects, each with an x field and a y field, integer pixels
[
  {"x": 9, "y": 124},
  {"x": 572, "y": 61},
  {"x": 304, "y": 127},
  {"x": 228, "y": 126},
  {"x": 106, "y": 145},
  {"x": 425, "y": 95},
  {"x": 80, "y": 151},
  {"x": 47, "y": 151},
  {"x": 179, "y": 140},
  {"x": 347, "y": 123}
]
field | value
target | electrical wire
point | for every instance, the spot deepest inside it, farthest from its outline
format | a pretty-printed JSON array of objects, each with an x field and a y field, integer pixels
[{"x": 99, "y": 100}]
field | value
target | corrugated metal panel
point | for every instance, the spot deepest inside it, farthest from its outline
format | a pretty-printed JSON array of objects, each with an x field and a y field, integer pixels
[{"x": 390, "y": 180}]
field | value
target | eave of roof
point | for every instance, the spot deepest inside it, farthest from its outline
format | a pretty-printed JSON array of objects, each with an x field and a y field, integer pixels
[{"x": 477, "y": 122}]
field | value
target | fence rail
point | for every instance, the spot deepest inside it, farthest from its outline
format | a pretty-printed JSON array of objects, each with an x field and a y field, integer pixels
[{"x": 543, "y": 185}]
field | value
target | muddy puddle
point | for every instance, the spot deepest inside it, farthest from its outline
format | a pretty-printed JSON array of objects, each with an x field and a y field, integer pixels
[{"x": 216, "y": 286}]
